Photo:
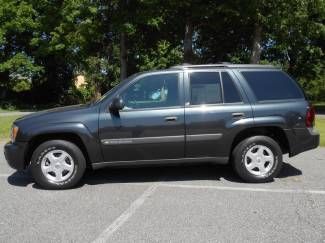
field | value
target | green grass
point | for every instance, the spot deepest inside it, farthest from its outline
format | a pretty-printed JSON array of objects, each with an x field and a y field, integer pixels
[
  {"x": 5, "y": 125},
  {"x": 2, "y": 110},
  {"x": 320, "y": 125},
  {"x": 15, "y": 110}
]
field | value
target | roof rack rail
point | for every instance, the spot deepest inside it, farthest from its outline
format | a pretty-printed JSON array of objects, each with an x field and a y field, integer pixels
[{"x": 221, "y": 65}]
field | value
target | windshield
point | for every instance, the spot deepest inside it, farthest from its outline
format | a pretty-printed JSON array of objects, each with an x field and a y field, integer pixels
[{"x": 116, "y": 87}]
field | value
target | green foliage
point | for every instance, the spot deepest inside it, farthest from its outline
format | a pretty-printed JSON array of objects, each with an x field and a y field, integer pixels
[
  {"x": 44, "y": 44},
  {"x": 22, "y": 85},
  {"x": 163, "y": 56},
  {"x": 5, "y": 106},
  {"x": 86, "y": 92},
  {"x": 17, "y": 23}
]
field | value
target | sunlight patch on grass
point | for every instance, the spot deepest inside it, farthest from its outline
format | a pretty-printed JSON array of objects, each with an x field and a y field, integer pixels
[
  {"x": 5, "y": 125},
  {"x": 320, "y": 125}
]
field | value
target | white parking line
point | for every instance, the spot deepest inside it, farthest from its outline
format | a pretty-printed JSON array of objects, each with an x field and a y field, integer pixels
[
  {"x": 124, "y": 217},
  {"x": 251, "y": 189},
  {"x": 127, "y": 214},
  {"x": 4, "y": 175}
]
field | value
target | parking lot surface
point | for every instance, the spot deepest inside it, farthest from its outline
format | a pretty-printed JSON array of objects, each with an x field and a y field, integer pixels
[{"x": 201, "y": 203}]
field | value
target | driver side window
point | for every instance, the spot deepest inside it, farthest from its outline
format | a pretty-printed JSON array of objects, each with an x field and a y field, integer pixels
[{"x": 160, "y": 90}]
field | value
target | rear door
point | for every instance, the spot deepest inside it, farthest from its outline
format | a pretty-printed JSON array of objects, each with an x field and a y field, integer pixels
[{"x": 215, "y": 110}]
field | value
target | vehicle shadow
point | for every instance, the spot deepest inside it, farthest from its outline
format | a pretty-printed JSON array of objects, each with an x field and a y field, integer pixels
[
  {"x": 154, "y": 174},
  {"x": 20, "y": 178}
]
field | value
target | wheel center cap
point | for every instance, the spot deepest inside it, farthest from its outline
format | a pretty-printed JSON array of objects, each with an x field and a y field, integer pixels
[
  {"x": 258, "y": 159},
  {"x": 57, "y": 166}
]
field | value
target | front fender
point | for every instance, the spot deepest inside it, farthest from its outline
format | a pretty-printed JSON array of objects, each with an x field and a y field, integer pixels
[{"x": 89, "y": 140}]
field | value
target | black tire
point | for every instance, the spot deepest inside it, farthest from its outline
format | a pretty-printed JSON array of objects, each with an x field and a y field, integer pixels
[
  {"x": 68, "y": 147},
  {"x": 238, "y": 159}
]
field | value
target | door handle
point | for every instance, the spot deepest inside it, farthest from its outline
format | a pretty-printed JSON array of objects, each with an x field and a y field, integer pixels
[
  {"x": 238, "y": 115},
  {"x": 170, "y": 118}
]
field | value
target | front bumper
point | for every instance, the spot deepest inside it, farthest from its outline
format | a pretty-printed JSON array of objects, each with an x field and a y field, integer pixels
[{"x": 15, "y": 154}]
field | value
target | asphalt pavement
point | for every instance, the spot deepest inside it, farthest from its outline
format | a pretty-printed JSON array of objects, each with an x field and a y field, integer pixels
[{"x": 202, "y": 203}]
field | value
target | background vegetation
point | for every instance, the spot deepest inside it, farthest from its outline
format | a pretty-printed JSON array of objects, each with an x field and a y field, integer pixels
[
  {"x": 44, "y": 44},
  {"x": 5, "y": 125},
  {"x": 320, "y": 125}
]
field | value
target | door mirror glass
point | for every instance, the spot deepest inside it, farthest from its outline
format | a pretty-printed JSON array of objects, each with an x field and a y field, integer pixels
[{"x": 117, "y": 104}]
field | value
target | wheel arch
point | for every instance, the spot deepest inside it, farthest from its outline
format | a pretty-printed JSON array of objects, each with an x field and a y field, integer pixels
[
  {"x": 66, "y": 136},
  {"x": 274, "y": 132}
]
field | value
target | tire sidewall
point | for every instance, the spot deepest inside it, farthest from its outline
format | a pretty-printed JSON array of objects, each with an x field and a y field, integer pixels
[
  {"x": 72, "y": 150},
  {"x": 245, "y": 146}
]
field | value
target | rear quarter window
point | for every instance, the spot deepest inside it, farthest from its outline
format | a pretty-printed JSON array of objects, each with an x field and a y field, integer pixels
[
  {"x": 272, "y": 85},
  {"x": 230, "y": 92}
]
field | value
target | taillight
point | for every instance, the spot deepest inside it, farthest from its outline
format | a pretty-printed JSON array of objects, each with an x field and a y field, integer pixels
[{"x": 310, "y": 117}]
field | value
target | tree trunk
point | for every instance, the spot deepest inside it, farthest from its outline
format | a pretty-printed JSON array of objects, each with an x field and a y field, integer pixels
[
  {"x": 188, "y": 41},
  {"x": 98, "y": 92},
  {"x": 256, "y": 47},
  {"x": 4, "y": 87},
  {"x": 123, "y": 56}
]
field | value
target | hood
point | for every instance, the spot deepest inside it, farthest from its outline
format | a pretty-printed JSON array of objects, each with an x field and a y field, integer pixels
[{"x": 55, "y": 114}]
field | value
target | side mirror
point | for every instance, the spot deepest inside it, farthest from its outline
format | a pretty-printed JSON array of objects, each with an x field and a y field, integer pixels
[{"x": 117, "y": 104}]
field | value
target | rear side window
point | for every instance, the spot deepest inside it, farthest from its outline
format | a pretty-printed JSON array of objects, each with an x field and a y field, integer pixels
[
  {"x": 272, "y": 85},
  {"x": 205, "y": 88},
  {"x": 230, "y": 92}
]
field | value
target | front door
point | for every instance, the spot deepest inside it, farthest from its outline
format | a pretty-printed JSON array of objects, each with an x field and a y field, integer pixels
[{"x": 151, "y": 125}]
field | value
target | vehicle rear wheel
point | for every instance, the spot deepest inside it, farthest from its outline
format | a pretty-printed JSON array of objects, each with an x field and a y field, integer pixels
[
  {"x": 57, "y": 164},
  {"x": 257, "y": 159}
]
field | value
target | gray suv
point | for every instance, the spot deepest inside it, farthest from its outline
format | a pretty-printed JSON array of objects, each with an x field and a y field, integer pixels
[{"x": 246, "y": 115}]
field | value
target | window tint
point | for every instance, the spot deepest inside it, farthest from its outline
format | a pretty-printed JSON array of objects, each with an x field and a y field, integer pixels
[
  {"x": 153, "y": 91},
  {"x": 272, "y": 85},
  {"x": 230, "y": 92},
  {"x": 205, "y": 88}
]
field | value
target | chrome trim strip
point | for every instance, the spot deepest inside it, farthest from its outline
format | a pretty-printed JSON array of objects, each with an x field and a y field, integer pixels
[
  {"x": 203, "y": 137},
  {"x": 143, "y": 140},
  {"x": 162, "y": 139}
]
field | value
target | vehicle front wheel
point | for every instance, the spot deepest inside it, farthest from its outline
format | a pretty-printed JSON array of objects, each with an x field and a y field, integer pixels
[
  {"x": 57, "y": 164},
  {"x": 257, "y": 159}
]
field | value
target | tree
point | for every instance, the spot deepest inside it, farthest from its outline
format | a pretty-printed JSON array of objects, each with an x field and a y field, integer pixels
[
  {"x": 190, "y": 17},
  {"x": 17, "y": 24},
  {"x": 44, "y": 44}
]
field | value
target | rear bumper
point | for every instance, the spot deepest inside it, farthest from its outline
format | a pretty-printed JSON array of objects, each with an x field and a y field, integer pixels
[
  {"x": 15, "y": 154},
  {"x": 302, "y": 140}
]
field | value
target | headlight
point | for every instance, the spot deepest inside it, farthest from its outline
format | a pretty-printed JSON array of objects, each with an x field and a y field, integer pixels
[{"x": 14, "y": 132}]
